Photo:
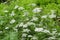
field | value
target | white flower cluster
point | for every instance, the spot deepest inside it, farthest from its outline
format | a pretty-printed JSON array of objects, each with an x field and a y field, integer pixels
[
  {"x": 21, "y": 24},
  {"x": 52, "y": 16},
  {"x": 16, "y": 7},
  {"x": 12, "y": 13},
  {"x": 41, "y": 30},
  {"x": 19, "y": 7},
  {"x": 12, "y": 21},
  {"x": 6, "y": 27},
  {"x": 38, "y": 29},
  {"x": 31, "y": 22},
  {"x": 6, "y": 11},
  {"x": 1, "y": 31},
  {"x": 36, "y": 10},
  {"x": 44, "y": 16},
  {"x": 26, "y": 30},
  {"x": 26, "y": 13},
  {"x": 24, "y": 35},
  {"x": 34, "y": 19}
]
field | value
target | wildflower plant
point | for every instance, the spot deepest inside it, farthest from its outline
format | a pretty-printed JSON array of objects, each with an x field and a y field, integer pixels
[{"x": 30, "y": 20}]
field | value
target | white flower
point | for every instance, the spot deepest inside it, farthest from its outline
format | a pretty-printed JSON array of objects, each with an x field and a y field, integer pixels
[
  {"x": 12, "y": 21},
  {"x": 24, "y": 35},
  {"x": 30, "y": 36},
  {"x": 30, "y": 23},
  {"x": 16, "y": 7},
  {"x": 33, "y": 4},
  {"x": 38, "y": 29},
  {"x": 52, "y": 16},
  {"x": 21, "y": 24},
  {"x": 34, "y": 38},
  {"x": 26, "y": 30},
  {"x": 25, "y": 26},
  {"x": 46, "y": 31},
  {"x": 21, "y": 8},
  {"x": 6, "y": 11},
  {"x": 1, "y": 31},
  {"x": 53, "y": 32},
  {"x": 34, "y": 19},
  {"x": 26, "y": 13},
  {"x": 37, "y": 10},
  {"x": 6, "y": 27},
  {"x": 12, "y": 14},
  {"x": 59, "y": 34},
  {"x": 44, "y": 16},
  {"x": 53, "y": 11}
]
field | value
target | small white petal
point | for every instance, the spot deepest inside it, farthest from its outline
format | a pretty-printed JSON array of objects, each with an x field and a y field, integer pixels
[
  {"x": 1, "y": 31},
  {"x": 24, "y": 35},
  {"x": 34, "y": 38},
  {"x": 30, "y": 36},
  {"x": 53, "y": 11},
  {"x": 46, "y": 31},
  {"x": 38, "y": 29},
  {"x": 16, "y": 7},
  {"x": 21, "y": 24},
  {"x": 12, "y": 14},
  {"x": 12, "y": 21},
  {"x": 26, "y": 30},
  {"x": 37, "y": 10},
  {"x": 44, "y": 16},
  {"x": 52, "y": 16},
  {"x": 6, "y": 11},
  {"x": 26, "y": 13},
  {"x": 34, "y": 19},
  {"x": 30, "y": 23},
  {"x": 6, "y": 27},
  {"x": 25, "y": 26},
  {"x": 21, "y": 8}
]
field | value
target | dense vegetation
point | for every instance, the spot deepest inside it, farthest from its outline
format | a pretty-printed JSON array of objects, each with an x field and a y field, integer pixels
[{"x": 30, "y": 20}]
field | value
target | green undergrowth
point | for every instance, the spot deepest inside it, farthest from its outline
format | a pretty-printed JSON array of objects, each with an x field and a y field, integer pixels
[{"x": 13, "y": 21}]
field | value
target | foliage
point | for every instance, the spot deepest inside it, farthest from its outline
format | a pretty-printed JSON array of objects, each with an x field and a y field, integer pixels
[{"x": 30, "y": 20}]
